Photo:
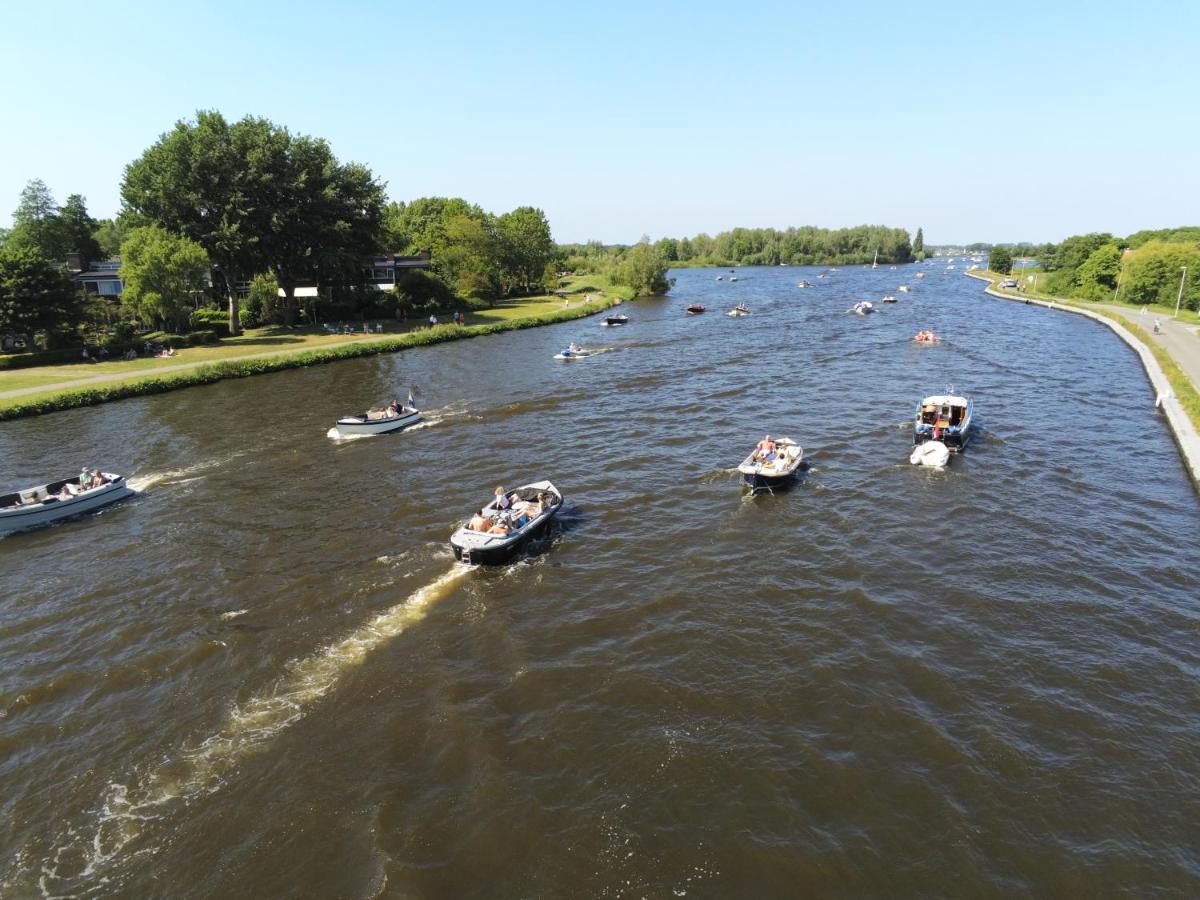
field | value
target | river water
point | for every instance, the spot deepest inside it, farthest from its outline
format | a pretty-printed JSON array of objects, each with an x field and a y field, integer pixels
[{"x": 265, "y": 675}]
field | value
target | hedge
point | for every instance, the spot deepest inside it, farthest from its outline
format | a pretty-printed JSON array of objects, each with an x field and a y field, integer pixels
[{"x": 219, "y": 371}]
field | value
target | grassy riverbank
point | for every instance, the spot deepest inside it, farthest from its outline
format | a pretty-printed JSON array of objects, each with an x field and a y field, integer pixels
[
  {"x": 271, "y": 350},
  {"x": 1185, "y": 390}
]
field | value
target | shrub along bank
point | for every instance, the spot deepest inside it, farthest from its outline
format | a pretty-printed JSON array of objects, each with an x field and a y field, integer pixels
[{"x": 207, "y": 374}]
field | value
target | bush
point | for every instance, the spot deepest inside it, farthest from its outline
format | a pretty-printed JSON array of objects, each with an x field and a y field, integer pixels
[
  {"x": 163, "y": 337},
  {"x": 44, "y": 358},
  {"x": 417, "y": 289},
  {"x": 211, "y": 319},
  {"x": 203, "y": 336}
]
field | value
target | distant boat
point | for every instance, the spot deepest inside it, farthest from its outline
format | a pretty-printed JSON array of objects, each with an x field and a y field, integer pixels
[
  {"x": 875, "y": 261},
  {"x": 573, "y": 351},
  {"x": 889, "y": 299},
  {"x": 740, "y": 310},
  {"x": 926, "y": 337},
  {"x": 733, "y": 278},
  {"x": 863, "y": 307},
  {"x": 620, "y": 319},
  {"x": 920, "y": 274},
  {"x": 904, "y": 289},
  {"x": 695, "y": 309},
  {"x": 720, "y": 278},
  {"x": 804, "y": 284}
]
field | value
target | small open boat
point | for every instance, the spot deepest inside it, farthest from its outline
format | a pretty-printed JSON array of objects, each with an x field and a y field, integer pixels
[
  {"x": 740, "y": 310},
  {"x": 695, "y": 309},
  {"x": 46, "y": 503},
  {"x": 720, "y": 278},
  {"x": 862, "y": 307},
  {"x": 904, "y": 288},
  {"x": 926, "y": 337},
  {"x": 889, "y": 299},
  {"x": 777, "y": 467},
  {"x": 920, "y": 274},
  {"x": 804, "y": 284},
  {"x": 573, "y": 351},
  {"x": 620, "y": 319},
  {"x": 379, "y": 420},
  {"x": 733, "y": 278},
  {"x": 496, "y": 534},
  {"x": 945, "y": 418}
]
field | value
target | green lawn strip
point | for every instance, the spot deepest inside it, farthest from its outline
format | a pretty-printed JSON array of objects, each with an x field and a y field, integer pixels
[{"x": 36, "y": 404}]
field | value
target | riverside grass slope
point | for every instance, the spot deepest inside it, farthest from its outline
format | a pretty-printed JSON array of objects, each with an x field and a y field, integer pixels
[
  {"x": 136, "y": 386},
  {"x": 1186, "y": 392}
]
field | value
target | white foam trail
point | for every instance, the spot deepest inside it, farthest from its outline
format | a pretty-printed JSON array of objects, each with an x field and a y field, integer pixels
[
  {"x": 249, "y": 727},
  {"x": 179, "y": 476},
  {"x": 233, "y": 614}
]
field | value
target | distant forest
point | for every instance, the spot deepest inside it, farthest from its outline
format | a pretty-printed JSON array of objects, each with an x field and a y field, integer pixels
[{"x": 802, "y": 246}]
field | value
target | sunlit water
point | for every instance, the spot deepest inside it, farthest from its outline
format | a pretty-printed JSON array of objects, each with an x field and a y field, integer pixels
[{"x": 266, "y": 676}]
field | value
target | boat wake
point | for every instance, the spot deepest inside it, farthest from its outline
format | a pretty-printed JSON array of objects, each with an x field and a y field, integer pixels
[
  {"x": 180, "y": 476},
  {"x": 80, "y": 858}
]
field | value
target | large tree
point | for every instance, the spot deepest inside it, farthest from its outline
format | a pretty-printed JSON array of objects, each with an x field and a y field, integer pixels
[
  {"x": 164, "y": 274},
  {"x": 526, "y": 246},
  {"x": 1154, "y": 274},
  {"x": 35, "y": 295},
  {"x": 1000, "y": 260}
]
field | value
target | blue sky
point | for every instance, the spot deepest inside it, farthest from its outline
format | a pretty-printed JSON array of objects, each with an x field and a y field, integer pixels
[{"x": 621, "y": 119}]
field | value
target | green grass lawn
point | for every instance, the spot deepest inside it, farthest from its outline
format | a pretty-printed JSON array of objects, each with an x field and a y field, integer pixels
[{"x": 262, "y": 342}]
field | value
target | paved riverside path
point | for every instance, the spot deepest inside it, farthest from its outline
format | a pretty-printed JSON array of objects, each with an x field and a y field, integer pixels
[
  {"x": 101, "y": 378},
  {"x": 1180, "y": 339}
]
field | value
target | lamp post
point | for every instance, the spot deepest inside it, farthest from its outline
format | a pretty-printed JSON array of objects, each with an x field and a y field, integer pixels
[{"x": 1179, "y": 299}]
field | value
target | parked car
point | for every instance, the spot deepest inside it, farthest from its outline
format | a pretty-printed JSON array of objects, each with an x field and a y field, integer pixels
[{"x": 1009, "y": 283}]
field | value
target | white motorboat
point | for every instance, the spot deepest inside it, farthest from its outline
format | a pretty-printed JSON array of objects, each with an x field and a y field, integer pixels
[
  {"x": 920, "y": 274},
  {"x": 889, "y": 299},
  {"x": 733, "y": 278},
  {"x": 931, "y": 453},
  {"x": 945, "y": 418},
  {"x": 774, "y": 468},
  {"x": 862, "y": 307},
  {"x": 904, "y": 289},
  {"x": 720, "y": 278},
  {"x": 503, "y": 527},
  {"x": 46, "y": 503},
  {"x": 379, "y": 420},
  {"x": 804, "y": 284},
  {"x": 740, "y": 310}
]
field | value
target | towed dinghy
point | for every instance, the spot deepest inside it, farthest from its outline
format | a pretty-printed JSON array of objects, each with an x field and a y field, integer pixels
[
  {"x": 932, "y": 453},
  {"x": 504, "y": 526},
  {"x": 46, "y": 503}
]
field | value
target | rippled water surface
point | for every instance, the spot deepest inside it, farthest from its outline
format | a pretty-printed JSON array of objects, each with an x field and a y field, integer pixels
[{"x": 265, "y": 675}]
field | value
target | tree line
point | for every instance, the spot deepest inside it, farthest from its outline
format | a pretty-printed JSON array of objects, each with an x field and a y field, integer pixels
[
  {"x": 1144, "y": 268},
  {"x": 797, "y": 246},
  {"x": 214, "y": 204}
]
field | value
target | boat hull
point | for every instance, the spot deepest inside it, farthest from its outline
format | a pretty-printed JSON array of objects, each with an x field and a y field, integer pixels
[
  {"x": 356, "y": 426},
  {"x": 25, "y": 518},
  {"x": 759, "y": 482}
]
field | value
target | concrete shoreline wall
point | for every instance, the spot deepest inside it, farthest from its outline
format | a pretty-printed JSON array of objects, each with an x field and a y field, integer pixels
[{"x": 1186, "y": 436}]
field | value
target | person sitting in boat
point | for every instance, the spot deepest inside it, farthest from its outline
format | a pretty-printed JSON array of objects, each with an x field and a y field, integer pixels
[
  {"x": 498, "y": 528},
  {"x": 97, "y": 478},
  {"x": 479, "y": 523},
  {"x": 501, "y": 501},
  {"x": 765, "y": 450},
  {"x": 393, "y": 409},
  {"x": 85, "y": 478}
]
